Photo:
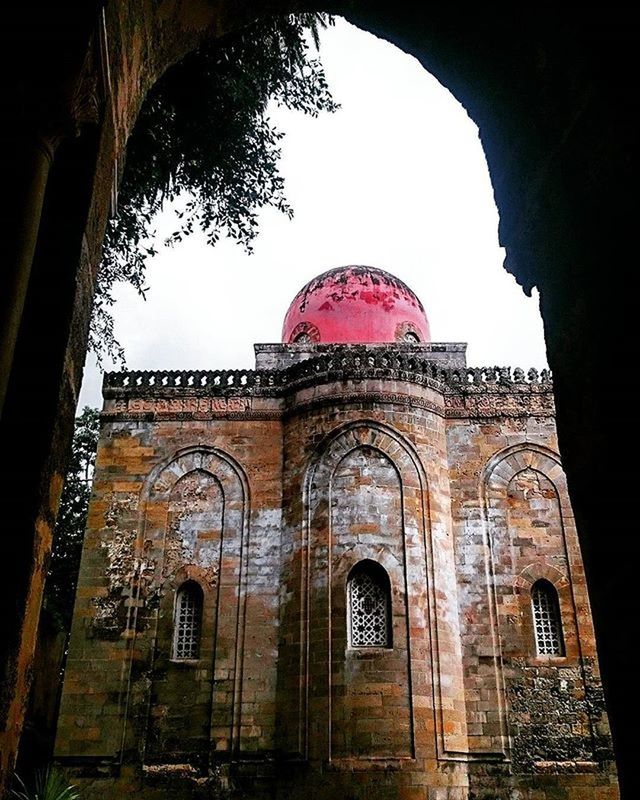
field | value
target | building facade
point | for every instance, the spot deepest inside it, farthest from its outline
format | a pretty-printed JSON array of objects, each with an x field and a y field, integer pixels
[{"x": 350, "y": 572}]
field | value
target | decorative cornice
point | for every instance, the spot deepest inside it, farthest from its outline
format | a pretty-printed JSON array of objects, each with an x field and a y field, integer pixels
[
  {"x": 186, "y": 408},
  {"x": 193, "y": 383},
  {"x": 352, "y": 362},
  {"x": 466, "y": 391},
  {"x": 384, "y": 398},
  {"x": 185, "y": 416},
  {"x": 481, "y": 405}
]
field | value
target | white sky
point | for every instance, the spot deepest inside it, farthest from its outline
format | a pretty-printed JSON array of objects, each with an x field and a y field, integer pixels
[{"x": 395, "y": 179}]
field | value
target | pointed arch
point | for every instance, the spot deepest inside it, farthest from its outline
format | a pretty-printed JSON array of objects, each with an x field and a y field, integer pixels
[
  {"x": 531, "y": 553},
  {"x": 422, "y": 609},
  {"x": 221, "y": 576}
]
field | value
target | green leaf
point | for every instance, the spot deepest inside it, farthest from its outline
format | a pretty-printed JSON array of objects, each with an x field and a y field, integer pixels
[
  {"x": 202, "y": 133},
  {"x": 49, "y": 784}
]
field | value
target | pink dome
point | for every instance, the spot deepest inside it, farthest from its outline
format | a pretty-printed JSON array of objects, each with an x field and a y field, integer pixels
[{"x": 356, "y": 305}]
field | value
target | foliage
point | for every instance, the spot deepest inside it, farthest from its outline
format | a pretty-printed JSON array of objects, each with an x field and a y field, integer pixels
[
  {"x": 72, "y": 517},
  {"x": 49, "y": 784},
  {"x": 203, "y": 140}
]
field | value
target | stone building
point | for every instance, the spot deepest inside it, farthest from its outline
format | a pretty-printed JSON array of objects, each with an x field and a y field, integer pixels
[{"x": 350, "y": 572}]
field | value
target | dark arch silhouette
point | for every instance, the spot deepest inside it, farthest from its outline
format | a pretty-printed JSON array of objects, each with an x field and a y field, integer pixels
[{"x": 554, "y": 95}]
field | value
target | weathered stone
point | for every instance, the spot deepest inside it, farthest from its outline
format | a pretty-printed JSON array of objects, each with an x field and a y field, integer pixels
[{"x": 267, "y": 488}]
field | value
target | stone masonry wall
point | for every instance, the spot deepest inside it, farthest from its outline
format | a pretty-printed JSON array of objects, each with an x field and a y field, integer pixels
[
  {"x": 375, "y": 724},
  {"x": 514, "y": 526},
  {"x": 267, "y": 488},
  {"x": 175, "y": 501},
  {"x": 370, "y": 690}
]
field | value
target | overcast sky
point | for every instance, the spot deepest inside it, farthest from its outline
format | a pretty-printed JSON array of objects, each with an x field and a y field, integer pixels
[{"x": 395, "y": 179}]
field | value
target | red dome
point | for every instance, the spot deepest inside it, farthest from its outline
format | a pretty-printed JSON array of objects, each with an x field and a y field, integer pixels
[{"x": 356, "y": 305}]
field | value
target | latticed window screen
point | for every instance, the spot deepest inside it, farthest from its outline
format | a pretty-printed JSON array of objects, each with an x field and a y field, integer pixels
[
  {"x": 188, "y": 621},
  {"x": 369, "y": 623},
  {"x": 546, "y": 620}
]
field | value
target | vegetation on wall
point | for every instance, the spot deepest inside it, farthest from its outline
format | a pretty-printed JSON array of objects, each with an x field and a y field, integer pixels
[
  {"x": 203, "y": 138},
  {"x": 48, "y": 784},
  {"x": 72, "y": 517}
]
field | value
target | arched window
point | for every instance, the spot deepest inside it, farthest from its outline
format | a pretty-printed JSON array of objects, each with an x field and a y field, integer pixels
[
  {"x": 369, "y": 606},
  {"x": 187, "y": 622},
  {"x": 546, "y": 619}
]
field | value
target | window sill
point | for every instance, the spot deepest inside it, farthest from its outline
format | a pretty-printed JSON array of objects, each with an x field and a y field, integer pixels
[
  {"x": 368, "y": 652},
  {"x": 549, "y": 659}
]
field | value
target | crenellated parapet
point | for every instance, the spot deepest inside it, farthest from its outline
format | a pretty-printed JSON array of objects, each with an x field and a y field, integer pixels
[
  {"x": 341, "y": 363},
  {"x": 338, "y": 372},
  {"x": 167, "y": 383},
  {"x": 390, "y": 364}
]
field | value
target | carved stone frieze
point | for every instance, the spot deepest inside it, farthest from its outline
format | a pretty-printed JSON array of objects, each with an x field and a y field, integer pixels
[{"x": 190, "y": 405}]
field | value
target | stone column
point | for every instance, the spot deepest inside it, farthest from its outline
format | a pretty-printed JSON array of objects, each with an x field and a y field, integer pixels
[{"x": 24, "y": 189}]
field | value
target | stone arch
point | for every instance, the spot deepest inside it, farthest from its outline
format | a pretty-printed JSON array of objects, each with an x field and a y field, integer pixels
[
  {"x": 499, "y": 473},
  {"x": 220, "y": 570},
  {"x": 535, "y": 572},
  {"x": 502, "y": 468},
  {"x": 496, "y": 475},
  {"x": 507, "y": 113},
  {"x": 529, "y": 537},
  {"x": 506, "y": 463},
  {"x": 203, "y": 457},
  {"x": 357, "y": 467},
  {"x": 411, "y": 571},
  {"x": 370, "y": 433},
  {"x": 404, "y": 460}
]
